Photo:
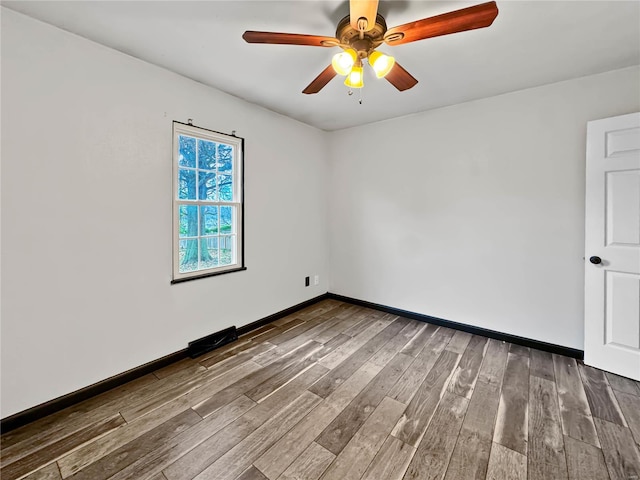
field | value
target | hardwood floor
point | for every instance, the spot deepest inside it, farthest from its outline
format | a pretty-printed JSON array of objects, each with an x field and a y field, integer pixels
[{"x": 337, "y": 391}]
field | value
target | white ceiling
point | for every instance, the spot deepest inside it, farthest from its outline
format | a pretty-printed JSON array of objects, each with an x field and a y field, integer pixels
[{"x": 530, "y": 43}]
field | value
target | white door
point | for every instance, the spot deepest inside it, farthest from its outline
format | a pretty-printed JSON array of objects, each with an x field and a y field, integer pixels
[{"x": 612, "y": 246}]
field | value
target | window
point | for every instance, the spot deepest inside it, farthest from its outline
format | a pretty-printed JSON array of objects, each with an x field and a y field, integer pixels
[{"x": 207, "y": 202}]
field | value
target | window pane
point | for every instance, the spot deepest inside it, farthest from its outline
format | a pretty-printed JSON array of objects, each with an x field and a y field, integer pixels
[
  {"x": 208, "y": 252},
  {"x": 188, "y": 221},
  {"x": 207, "y": 187},
  {"x": 225, "y": 158},
  {"x": 187, "y": 151},
  {"x": 209, "y": 224},
  {"x": 226, "y": 220},
  {"x": 227, "y": 256},
  {"x": 188, "y": 255},
  {"x": 206, "y": 155},
  {"x": 186, "y": 184},
  {"x": 212, "y": 250},
  {"x": 225, "y": 184}
]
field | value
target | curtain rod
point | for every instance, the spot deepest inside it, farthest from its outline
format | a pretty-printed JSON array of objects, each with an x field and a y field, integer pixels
[{"x": 190, "y": 123}]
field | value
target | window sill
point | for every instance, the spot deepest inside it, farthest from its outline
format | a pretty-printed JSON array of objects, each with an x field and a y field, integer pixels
[{"x": 205, "y": 275}]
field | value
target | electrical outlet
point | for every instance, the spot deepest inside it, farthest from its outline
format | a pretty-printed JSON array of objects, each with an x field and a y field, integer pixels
[
  {"x": 316, "y": 280},
  {"x": 306, "y": 281}
]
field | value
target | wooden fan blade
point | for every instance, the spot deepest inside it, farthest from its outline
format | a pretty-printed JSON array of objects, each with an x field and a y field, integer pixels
[
  {"x": 289, "y": 39},
  {"x": 321, "y": 80},
  {"x": 400, "y": 78},
  {"x": 363, "y": 9},
  {"x": 478, "y": 16}
]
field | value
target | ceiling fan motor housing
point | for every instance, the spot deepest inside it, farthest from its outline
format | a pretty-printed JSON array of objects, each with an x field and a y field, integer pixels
[{"x": 349, "y": 37}]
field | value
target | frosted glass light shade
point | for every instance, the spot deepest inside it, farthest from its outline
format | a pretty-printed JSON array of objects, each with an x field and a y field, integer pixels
[
  {"x": 355, "y": 78},
  {"x": 381, "y": 63},
  {"x": 343, "y": 62}
]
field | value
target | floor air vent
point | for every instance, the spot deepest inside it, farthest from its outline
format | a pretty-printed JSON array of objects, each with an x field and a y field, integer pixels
[{"x": 211, "y": 342}]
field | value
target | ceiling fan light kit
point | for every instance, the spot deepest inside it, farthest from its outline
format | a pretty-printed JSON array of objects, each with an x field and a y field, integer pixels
[{"x": 361, "y": 32}]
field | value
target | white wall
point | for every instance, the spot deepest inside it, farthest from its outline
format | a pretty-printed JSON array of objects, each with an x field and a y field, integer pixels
[
  {"x": 86, "y": 213},
  {"x": 474, "y": 213}
]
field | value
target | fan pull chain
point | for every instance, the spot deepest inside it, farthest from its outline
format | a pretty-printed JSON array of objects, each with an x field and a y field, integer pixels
[{"x": 350, "y": 92}]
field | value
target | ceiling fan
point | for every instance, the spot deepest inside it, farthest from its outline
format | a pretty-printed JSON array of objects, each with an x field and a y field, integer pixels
[{"x": 360, "y": 33}]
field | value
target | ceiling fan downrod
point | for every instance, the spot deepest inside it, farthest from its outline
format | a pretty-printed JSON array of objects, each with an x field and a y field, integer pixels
[{"x": 362, "y": 26}]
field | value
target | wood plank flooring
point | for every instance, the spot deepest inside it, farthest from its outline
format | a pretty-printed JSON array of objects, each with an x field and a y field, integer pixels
[{"x": 337, "y": 391}]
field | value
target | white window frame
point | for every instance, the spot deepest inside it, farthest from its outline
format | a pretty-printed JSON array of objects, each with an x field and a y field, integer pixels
[{"x": 238, "y": 200}]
